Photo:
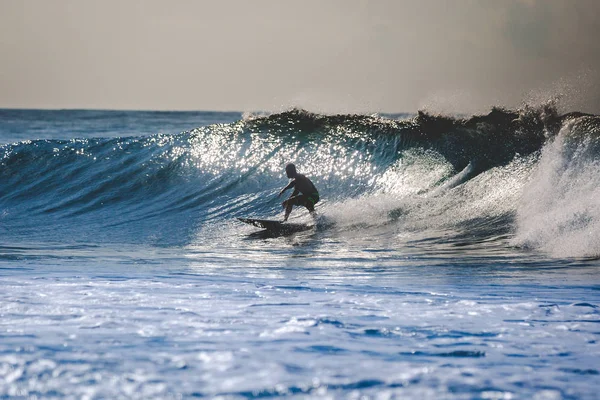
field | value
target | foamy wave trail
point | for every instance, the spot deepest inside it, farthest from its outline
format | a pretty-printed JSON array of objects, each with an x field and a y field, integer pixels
[
  {"x": 507, "y": 174},
  {"x": 560, "y": 207}
]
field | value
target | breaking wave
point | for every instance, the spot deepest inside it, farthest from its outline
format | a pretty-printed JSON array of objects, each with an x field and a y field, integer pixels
[{"x": 531, "y": 176}]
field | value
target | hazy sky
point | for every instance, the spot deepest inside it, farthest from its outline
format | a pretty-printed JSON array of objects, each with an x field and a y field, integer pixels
[{"x": 323, "y": 55}]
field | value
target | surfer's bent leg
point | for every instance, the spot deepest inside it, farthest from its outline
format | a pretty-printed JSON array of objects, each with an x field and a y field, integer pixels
[
  {"x": 310, "y": 202},
  {"x": 288, "y": 209},
  {"x": 291, "y": 202},
  {"x": 301, "y": 200},
  {"x": 288, "y": 205}
]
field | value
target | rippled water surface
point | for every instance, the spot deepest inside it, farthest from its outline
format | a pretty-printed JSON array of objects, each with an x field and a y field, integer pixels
[
  {"x": 451, "y": 259},
  {"x": 196, "y": 321}
]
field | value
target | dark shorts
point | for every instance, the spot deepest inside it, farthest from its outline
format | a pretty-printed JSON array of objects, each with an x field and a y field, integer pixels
[{"x": 307, "y": 201}]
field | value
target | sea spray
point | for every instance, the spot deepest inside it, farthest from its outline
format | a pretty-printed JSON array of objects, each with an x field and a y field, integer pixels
[{"x": 560, "y": 207}]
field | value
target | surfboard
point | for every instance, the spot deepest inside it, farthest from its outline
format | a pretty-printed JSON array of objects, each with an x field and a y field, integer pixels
[{"x": 276, "y": 227}]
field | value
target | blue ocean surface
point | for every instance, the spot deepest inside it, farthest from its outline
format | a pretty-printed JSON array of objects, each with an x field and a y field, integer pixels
[{"x": 451, "y": 258}]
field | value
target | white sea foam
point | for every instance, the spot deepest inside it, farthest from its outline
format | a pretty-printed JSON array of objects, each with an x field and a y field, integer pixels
[
  {"x": 411, "y": 197},
  {"x": 333, "y": 335},
  {"x": 560, "y": 208}
]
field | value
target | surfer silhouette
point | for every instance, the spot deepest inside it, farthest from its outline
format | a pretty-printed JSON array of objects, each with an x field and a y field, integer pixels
[{"x": 305, "y": 193}]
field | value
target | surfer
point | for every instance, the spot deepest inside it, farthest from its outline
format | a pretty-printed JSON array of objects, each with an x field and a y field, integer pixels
[{"x": 305, "y": 193}]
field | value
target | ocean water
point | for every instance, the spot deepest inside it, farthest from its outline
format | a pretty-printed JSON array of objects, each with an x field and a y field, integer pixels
[{"x": 452, "y": 257}]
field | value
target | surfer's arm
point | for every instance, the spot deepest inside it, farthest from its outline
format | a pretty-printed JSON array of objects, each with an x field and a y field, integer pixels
[{"x": 289, "y": 186}]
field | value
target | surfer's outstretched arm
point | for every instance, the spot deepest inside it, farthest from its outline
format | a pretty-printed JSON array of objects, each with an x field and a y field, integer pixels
[{"x": 289, "y": 186}]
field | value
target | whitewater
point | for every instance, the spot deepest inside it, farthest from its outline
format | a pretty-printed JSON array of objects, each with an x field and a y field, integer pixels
[{"x": 454, "y": 257}]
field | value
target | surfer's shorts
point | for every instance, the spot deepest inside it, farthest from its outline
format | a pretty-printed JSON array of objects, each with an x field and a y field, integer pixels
[{"x": 307, "y": 201}]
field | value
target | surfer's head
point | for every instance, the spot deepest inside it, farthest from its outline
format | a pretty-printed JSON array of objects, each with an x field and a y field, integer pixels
[{"x": 290, "y": 171}]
